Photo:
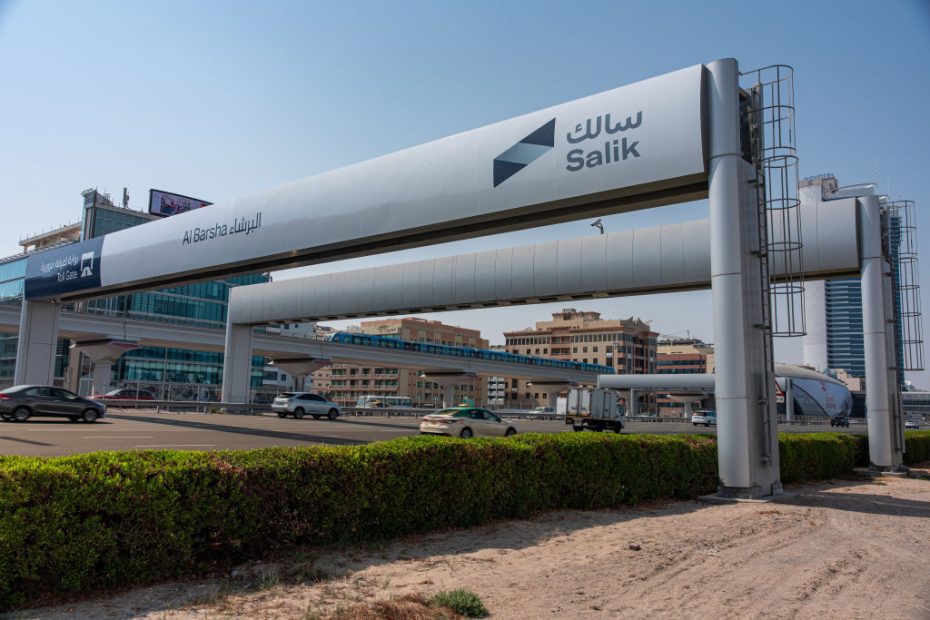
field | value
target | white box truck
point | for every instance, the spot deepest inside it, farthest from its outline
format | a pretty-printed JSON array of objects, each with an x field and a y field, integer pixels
[{"x": 595, "y": 410}]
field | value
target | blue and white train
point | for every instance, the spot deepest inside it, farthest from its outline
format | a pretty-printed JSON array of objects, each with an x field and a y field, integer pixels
[{"x": 389, "y": 342}]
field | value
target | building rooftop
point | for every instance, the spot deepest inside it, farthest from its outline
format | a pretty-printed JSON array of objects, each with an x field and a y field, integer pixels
[{"x": 63, "y": 235}]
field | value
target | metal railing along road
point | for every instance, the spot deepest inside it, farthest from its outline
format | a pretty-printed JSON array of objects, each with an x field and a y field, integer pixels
[
  {"x": 408, "y": 412},
  {"x": 254, "y": 408}
]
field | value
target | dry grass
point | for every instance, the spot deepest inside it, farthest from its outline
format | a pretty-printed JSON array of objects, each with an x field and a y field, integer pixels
[{"x": 409, "y": 607}]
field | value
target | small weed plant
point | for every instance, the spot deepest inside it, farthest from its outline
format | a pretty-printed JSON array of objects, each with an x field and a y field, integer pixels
[{"x": 461, "y": 601}]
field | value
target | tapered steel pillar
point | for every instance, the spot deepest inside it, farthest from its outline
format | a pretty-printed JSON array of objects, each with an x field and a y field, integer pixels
[
  {"x": 746, "y": 424},
  {"x": 894, "y": 372},
  {"x": 883, "y": 454}
]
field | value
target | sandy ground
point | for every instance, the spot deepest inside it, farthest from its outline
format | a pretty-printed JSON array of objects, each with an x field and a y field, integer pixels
[{"x": 842, "y": 549}]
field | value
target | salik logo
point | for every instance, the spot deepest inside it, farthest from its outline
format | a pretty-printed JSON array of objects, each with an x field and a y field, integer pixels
[
  {"x": 87, "y": 264},
  {"x": 524, "y": 152}
]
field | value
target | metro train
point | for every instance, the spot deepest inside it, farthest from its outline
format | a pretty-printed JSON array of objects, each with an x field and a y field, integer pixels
[{"x": 389, "y": 342}]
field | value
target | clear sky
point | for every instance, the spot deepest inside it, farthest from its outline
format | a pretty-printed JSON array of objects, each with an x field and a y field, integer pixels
[{"x": 220, "y": 98}]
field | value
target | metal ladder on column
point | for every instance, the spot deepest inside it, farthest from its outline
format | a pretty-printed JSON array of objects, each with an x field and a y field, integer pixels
[{"x": 771, "y": 142}]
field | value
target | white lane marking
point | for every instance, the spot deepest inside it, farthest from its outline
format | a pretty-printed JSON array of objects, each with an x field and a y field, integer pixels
[
  {"x": 118, "y": 437},
  {"x": 87, "y": 430},
  {"x": 179, "y": 445}
]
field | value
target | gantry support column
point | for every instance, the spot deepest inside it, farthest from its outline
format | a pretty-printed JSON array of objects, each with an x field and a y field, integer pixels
[
  {"x": 894, "y": 371},
  {"x": 103, "y": 352},
  {"x": 102, "y": 374},
  {"x": 554, "y": 399},
  {"x": 300, "y": 367},
  {"x": 746, "y": 423},
  {"x": 38, "y": 343},
  {"x": 448, "y": 394},
  {"x": 73, "y": 379},
  {"x": 878, "y": 401},
  {"x": 447, "y": 380},
  {"x": 237, "y": 364}
]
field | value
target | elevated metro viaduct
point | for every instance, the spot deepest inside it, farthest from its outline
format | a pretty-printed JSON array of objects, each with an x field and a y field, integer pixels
[
  {"x": 106, "y": 338},
  {"x": 682, "y": 136}
]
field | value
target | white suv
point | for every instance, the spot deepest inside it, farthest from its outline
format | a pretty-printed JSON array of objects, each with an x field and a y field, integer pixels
[
  {"x": 299, "y": 404},
  {"x": 707, "y": 418}
]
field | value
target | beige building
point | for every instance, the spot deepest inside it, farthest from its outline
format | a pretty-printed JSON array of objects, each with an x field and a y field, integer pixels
[
  {"x": 345, "y": 383},
  {"x": 627, "y": 345},
  {"x": 855, "y": 384},
  {"x": 678, "y": 356},
  {"x": 685, "y": 349}
]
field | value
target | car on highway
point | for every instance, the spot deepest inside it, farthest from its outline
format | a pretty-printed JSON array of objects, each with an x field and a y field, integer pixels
[
  {"x": 703, "y": 417},
  {"x": 21, "y": 402},
  {"x": 299, "y": 404},
  {"x": 466, "y": 422},
  {"x": 541, "y": 412},
  {"x": 911, "y": 424},
  {"x": 125, "y": 394},
  {"x": 840, "y": 421}
]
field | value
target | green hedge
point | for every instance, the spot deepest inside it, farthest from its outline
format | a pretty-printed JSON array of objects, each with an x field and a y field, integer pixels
[
  {"x": 109, "y": 519},
  {"x": 818, "y": 456},
  {"x": 916, "y": 447}
]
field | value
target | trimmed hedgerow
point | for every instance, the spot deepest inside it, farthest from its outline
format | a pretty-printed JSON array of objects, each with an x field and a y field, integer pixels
[
  {"x": 917, "y": 447},
  {"x": 816, "y": 456},
  {"x": 109, "y": 519}
]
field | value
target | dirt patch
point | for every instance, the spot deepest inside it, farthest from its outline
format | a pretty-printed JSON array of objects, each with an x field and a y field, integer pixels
[{"x": 842, "y": 549}]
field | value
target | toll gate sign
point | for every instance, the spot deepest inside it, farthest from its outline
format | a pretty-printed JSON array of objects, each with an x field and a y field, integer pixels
[{"x": 65, "y": 269}]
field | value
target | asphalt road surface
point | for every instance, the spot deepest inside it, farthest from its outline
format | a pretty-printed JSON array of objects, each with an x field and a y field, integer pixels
[{"x": 131, "y": 430}]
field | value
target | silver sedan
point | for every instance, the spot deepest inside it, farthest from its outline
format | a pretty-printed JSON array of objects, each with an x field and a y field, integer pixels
[{"x": 466, "y": 422}]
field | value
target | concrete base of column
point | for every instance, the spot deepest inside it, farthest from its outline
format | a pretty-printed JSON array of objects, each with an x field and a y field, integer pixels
[
  {"x": 899, "y": 471},
  {"x": 718, "y": 498},
  {"x": 448, "y": 396},
  {"x": 103, "y": 375},
  {"x": 38, "y": 343},
  {"x": 237, "y": 364}
]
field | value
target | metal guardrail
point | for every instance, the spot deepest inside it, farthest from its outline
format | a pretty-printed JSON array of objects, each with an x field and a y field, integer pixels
[
  {"x": 258, "y": 408},
  {"x": 798, "y": 420},
  {"x": 403, "y": 412}
]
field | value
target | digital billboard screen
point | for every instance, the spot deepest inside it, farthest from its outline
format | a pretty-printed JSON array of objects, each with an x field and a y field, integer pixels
[{"x": 166, "y": 203}]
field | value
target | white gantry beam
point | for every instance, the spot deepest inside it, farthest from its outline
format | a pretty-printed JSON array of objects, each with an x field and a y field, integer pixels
[
  {"x": 645, "y": 260},
  {"x": 634, "y": 147}
]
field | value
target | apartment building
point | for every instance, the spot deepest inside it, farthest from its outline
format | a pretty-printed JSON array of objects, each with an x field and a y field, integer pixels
[
  {"x": 627, "y": 345},
  {"x": 346, "y": 383}
]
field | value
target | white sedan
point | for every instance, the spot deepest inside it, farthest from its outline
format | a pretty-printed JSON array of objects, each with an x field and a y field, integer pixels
[{"x": 466, "y": 422}]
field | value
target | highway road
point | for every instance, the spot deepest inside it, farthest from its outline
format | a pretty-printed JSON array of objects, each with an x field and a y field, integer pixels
[{"x": 140, "y": 430}]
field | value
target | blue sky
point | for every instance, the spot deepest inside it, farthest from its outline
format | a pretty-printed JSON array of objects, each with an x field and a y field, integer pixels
[{"x": 216, "y": 99}]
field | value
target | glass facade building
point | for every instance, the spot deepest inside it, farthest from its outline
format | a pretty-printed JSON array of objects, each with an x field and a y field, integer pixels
[
  {"x": 845, "y": 347},
  {"x": 170, "y": 373},
  {"x": 12, "y": 273},
  {"x": 843, "y": 298}
]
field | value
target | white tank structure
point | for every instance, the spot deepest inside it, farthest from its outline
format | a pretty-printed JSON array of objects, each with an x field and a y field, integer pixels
[{"x": 806, "y": 392}]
